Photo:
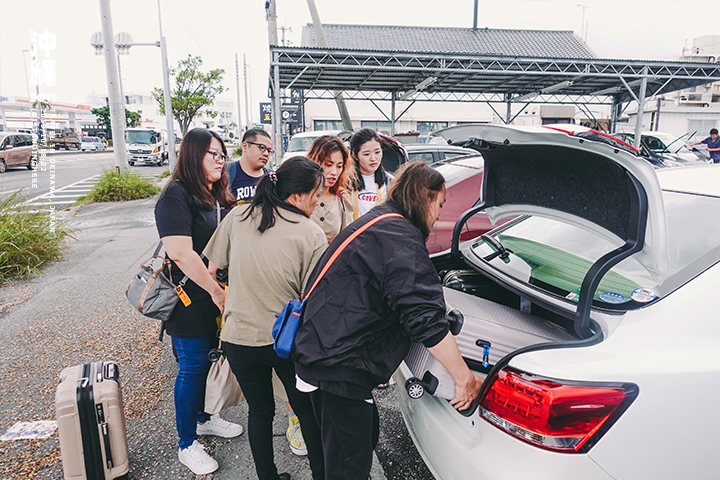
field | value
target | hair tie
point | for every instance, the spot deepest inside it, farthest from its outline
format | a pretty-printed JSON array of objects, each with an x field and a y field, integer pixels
[{"x": 273, "y": 177}]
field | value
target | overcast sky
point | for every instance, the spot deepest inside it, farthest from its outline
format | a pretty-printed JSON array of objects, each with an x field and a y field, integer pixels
[{"x": 217, "y": 30}]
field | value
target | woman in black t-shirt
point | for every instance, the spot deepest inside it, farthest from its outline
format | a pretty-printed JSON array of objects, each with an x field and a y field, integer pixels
[{"x": 187, "y": 213}]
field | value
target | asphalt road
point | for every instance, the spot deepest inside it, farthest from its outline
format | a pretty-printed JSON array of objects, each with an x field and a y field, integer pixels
[
  {"x": 63, "y": 177},
  {"x": 76, "y": 312}
]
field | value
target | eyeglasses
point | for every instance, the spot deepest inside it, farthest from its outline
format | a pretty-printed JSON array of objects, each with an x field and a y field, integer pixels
[
  {"x": 262, "y": 147},
  {"x": 215, "y": 155}
]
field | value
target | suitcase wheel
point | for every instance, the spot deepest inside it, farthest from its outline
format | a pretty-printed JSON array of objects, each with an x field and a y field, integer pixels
[{"x": 414, "y": 387}]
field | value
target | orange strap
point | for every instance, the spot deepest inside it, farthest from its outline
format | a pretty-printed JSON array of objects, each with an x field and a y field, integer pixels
[{"x": 345, "y": 244}]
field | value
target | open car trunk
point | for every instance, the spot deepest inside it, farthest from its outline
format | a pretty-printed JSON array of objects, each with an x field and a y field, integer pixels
[{"x": 535, "y": 172}]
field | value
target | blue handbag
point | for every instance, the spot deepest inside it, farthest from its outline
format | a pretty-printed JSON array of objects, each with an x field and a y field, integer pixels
[{"x": 290, "y": 318}]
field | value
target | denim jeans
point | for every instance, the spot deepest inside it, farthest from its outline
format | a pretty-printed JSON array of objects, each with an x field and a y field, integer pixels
[
  {"x": 253, "y": 368},
  {"x": 193, "y": 366}
]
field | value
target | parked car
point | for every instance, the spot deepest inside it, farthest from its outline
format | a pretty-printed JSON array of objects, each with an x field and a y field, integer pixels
[
  {"x": 92, "y": 144},
  {"x": 665, "y": 149},
  {"x": 299, "y": 143},
  {"x": 589, "y": 315},
  {"x": 433, "y": 153},
  {"x": 16, "y": 150}
]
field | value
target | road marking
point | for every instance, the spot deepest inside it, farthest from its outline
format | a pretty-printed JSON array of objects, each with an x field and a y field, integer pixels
[
  {"x": 73, "y": 191},
  {"x": 90, "y": 181}
]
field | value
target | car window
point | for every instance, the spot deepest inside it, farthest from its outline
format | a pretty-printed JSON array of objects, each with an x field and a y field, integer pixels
[
  {"x": 300, "y": 144},
  {"x": 454, "y": 154},
  {"x": 6, "y": 141},
  {"x": 555, "y": 256},
  {"x": 426, "y": 157}
]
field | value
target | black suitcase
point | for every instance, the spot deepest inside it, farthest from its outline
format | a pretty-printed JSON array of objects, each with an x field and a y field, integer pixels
[{"x": 91, "y": 424}]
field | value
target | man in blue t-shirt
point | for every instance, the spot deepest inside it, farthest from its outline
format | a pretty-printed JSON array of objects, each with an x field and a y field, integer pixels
[
  {"x": 246, "y": 172},
  {"x": 713, "y": 145}
]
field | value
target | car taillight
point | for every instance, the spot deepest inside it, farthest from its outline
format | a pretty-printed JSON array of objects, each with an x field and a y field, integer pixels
[{"x": 558, "y": 415}]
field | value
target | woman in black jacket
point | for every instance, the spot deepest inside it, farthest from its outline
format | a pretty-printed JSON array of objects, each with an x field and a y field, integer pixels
[{"x": 381, "y": 293}]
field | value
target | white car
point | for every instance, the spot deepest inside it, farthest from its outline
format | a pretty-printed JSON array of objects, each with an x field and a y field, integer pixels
[
  {"x": 597, "y": 302},
  {"x": 92, "y": 144},
  {"x": 299, "y": 143}
]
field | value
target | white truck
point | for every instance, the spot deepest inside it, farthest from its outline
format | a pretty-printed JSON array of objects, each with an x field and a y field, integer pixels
[{"x": 146, "y": 145}]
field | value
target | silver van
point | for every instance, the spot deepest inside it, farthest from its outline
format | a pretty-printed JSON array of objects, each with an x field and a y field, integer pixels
[{"x": 16, "y": 150}]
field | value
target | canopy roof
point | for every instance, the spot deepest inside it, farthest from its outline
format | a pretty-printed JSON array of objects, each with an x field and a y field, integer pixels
[{"x": 456, "y": 64}]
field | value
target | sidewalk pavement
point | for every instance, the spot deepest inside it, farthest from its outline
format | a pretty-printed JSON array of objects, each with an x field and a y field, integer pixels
[{"x": 76, "y": 312}]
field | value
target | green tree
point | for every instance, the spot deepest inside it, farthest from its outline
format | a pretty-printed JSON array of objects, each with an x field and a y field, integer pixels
[
  {"x": 193, "y": 91},
  {"x": 132, "y": 119}
]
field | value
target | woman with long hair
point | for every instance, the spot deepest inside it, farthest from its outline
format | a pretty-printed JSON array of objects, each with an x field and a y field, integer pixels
[
  {"x": 269, "y": 248},
  {"x": 335, "y": 210},
  {"x": 187, "y": 213},
  {"x": 380, "y": 293},
  {"x": 371, "y": 183}
]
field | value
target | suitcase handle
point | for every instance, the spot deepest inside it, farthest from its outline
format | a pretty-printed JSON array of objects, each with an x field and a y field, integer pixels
[{"x": 106, "y": 441}]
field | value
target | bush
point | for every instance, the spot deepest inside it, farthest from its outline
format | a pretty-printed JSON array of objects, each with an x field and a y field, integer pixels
[
  {"x": 164, "y": 173},
  {"x": 29, "y": 238},
  {"x": 114, "y": 187},
  {"x": 237, "y": 152}
]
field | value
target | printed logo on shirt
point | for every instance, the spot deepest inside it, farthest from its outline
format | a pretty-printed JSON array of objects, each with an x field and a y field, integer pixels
[
  {"x": 367, "y": 197},
  {"x": 245, "y": 193}
]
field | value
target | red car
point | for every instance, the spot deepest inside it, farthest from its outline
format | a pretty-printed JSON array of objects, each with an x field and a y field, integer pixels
[{"x": 463, "y": 179}]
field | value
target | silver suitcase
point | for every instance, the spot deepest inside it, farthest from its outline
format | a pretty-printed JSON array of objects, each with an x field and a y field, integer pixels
[{"x": 489, "y": 332}]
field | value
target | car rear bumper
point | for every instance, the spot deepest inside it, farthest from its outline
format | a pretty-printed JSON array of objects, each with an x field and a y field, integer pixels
[{"x": 463, "y": 448}]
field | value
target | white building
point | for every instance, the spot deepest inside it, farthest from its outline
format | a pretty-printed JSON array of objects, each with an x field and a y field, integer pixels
[{"x": 686, "y": 111}]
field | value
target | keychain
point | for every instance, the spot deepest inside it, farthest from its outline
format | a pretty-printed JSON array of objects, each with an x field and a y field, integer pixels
[{"x": 183, "y": 296}]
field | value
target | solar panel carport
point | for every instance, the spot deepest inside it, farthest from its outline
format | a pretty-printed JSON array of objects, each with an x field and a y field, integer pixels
[{"x": 471, "y": 65}]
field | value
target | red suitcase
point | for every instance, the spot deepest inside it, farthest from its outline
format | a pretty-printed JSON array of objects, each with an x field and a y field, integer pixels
[{"x": 91, "y": 424}]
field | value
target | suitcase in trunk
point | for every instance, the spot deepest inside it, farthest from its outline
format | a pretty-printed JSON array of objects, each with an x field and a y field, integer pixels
[
  {"x": 91, "y": 424},
  {"x": 489, "y": 332}
]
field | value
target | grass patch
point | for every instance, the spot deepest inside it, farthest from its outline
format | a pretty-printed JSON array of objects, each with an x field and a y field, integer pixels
[
  {"x": 29, "y": 238},
  {"x": 114, "y": 187},
  {"x": 164, "y": 173}
]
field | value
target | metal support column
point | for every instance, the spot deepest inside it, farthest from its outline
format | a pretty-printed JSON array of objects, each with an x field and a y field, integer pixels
[
  {"x": 641, "y": 107},
  {"x": 614, "y": 107},
  {"x": 508, "y": 111},
  {"x": 277, "y": 114},
  {"x": 392, "y": 113}
]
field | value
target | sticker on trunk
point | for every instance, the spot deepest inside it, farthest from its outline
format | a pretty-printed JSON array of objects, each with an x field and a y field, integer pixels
[
  {"x": 612, "y": 297},
  {"x": 643, "y": 295}
]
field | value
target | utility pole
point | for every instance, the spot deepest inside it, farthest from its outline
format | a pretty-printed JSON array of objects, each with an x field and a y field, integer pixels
[
  {"x": 284, "y": 29},
  {"x": 583, "y": 31},
  {"x": 322, "y": 42},
  {"x": 475, "y": 15},
  {"x": 117, "y": 109},
  {"x": 248, "y": 120},
  {"x": 168, "y": 102},
  {"x": 237, "y": 90}
]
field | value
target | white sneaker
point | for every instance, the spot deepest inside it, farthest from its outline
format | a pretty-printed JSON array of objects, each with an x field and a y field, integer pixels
[
  {"x": 196, "y": 459},
  {"x": 219, "y": 427}
]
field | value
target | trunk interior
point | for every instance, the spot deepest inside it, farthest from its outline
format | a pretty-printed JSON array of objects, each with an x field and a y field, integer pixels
[{"x": 496, "y": 322}]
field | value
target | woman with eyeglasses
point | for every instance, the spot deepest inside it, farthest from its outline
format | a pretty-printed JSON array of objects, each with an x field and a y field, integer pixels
[
  {"x": 269, "y": 248},
  {"x": 187, "y": 213},
  {"x": 371, "y": 184}
]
